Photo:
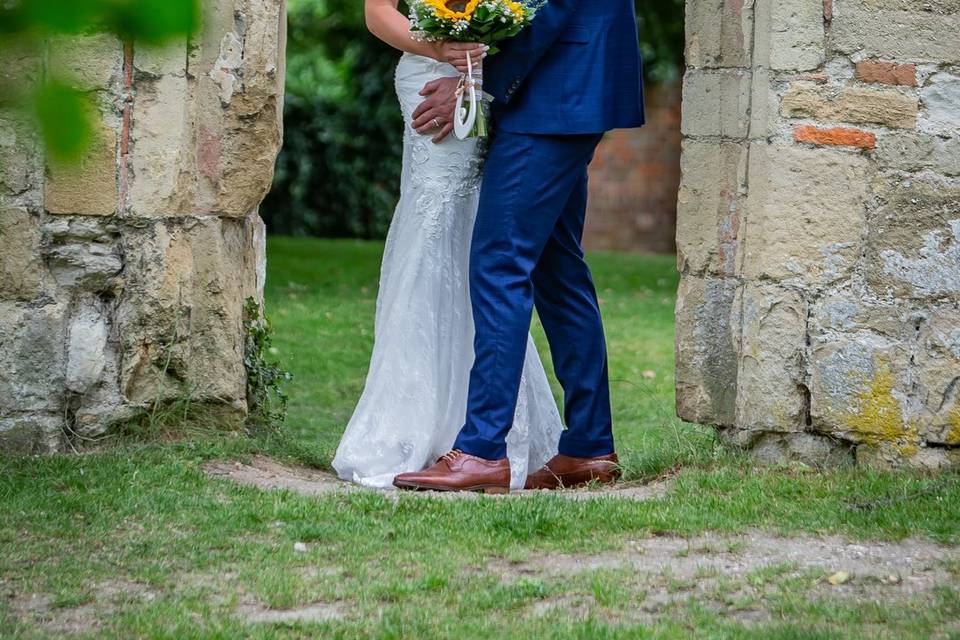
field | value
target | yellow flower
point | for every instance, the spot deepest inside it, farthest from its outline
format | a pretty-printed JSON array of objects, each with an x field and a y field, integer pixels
[
  {"x": 453, "y": 9},
  {"x": 516, "y": 9}
]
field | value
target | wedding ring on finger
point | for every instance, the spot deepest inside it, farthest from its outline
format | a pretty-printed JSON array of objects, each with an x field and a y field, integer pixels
[{"x": 436, "y": 123}]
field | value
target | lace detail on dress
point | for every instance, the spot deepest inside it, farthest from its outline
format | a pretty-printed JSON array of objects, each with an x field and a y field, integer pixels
[{"x": 414, "y": 400}]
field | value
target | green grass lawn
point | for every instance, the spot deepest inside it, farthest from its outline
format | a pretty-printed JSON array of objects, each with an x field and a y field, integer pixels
[
  {"x": 323, "y": 315},
  {"x": 136, "y": 541}
]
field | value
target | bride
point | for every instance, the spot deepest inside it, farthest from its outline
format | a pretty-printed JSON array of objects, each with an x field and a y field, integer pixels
[{"x": 414, "y": 401}]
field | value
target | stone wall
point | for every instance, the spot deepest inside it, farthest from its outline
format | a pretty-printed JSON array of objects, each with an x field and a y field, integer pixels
[
  {"x": 123, "y": 277},
  {"x": 634, "y": 179},
  {"x": 819, "y": 229}
]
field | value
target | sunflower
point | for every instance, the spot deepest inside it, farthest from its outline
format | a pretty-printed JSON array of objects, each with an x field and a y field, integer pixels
[
  {"x": 516, "y": 8},
  {"x": 453, "y": 9}
]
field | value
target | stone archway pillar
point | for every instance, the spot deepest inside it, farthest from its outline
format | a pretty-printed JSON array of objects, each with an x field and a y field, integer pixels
[
  {"x": 123, "y": 278},
  {"x": 819, "y": 229}
]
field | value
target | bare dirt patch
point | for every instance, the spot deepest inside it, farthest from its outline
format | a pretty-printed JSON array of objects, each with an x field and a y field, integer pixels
[
  {"x": 40, "y": 610},
  {"x": 317, "y": 612},
  {"x": 265, "y": 473},
  {"x": 736, "y": 575}
]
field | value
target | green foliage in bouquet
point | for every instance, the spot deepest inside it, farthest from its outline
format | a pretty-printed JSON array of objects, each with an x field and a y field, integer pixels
[{"x": 483, "y": 21}]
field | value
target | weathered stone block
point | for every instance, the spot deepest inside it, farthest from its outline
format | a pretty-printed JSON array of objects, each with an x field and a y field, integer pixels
[
  {"x": 913, "y": 244},
  {"x": 946, "y": 156},
  {"x": 771, "y": 392},
  {"x": 905, "y": 32},
  {"x": 31, "y": 433},
  {"x": 161, "y": 59},
  {"x": 860, "y": 390},
  {"x": 764, "y": 106},
  {"x": 83, "y": 253},
  {"x": 938, "y": 376},
  {"x": 919, "y": 151},
  {"x": 861, "y": 106},
  {"x": 885, "y": 457},
  {"x": 906, "y": 151},
  {"x": 21, "y": 68},
  {"x": 180, "y": 317},
  {"x": 207, "y": 144},
  {"x": 861, "y": 380},
  {"x": 86, "y": 186},
  {"x": 708, "y": 213},
  {"x": 796, "y": 35},
  {"x": 806, "y": 213},
  {"x": 86, "y": 348},
  {"x": 811, "y": 449},
  {"x": 716, "y": 103},
  {"x": 20, "y": 171},
  {"x": 719, "y": 34},
  {"x": 32, "y": 361},
  {"x": 844, "y": 313},
  {"x": 706, "y": 357},
  {"x": 159, "y": 144},
  {"x": 21, "y": 269},
  {"x": 940, "y": 96},
  {"x": 87, "y": 62}
]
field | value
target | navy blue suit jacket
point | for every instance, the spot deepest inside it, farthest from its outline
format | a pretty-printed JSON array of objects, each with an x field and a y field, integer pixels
[{"x": 575, "y": 70}]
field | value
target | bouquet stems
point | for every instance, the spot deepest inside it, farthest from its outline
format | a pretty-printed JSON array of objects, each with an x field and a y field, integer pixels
[{"x": 480, "y": 129}]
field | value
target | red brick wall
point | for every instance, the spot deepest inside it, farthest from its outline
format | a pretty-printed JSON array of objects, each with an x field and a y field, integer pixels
[{"x": 634, "y": 180}]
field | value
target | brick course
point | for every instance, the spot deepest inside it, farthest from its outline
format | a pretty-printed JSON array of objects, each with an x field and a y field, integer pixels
[
  {"x": 839, "y": 136},
  {"x": 879, "y": 72}
]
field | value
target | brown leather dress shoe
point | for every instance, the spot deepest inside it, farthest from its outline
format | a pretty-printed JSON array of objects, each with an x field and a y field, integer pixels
[
  {"x": 565, "y": 471},
  {"x": 459, "y": 471}
]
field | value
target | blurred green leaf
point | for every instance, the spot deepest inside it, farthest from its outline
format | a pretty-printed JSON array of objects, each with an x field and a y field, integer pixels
[
  {"x": 150, "y": 20},
  {"x": 67, "y": 16},
  {"x": 64, "y": 116}
]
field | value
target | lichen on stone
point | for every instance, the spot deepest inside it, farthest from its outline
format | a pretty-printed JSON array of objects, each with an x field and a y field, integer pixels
[
  {"x": 878, "y": 418},
  {"x": 953, "y": 433}
]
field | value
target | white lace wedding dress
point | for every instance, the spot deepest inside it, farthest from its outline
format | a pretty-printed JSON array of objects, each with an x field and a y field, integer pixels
[{"x": 415, "y": 397}]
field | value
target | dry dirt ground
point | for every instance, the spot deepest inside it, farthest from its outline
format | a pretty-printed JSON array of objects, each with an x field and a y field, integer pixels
[{"x": 265, "y": 473}]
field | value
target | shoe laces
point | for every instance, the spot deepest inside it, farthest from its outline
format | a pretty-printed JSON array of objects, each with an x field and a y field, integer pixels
[{"x": 451, "y": 455}]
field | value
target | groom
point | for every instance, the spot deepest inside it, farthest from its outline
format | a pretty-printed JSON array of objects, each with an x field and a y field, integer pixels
[{"x": 574, "y": 74}]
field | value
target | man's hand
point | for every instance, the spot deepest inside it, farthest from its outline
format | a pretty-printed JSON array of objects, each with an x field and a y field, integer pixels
[{"x": 435, "y": 113}]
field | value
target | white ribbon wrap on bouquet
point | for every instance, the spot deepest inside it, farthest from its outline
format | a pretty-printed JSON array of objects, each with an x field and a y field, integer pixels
[{"x": 465, "y": 119}]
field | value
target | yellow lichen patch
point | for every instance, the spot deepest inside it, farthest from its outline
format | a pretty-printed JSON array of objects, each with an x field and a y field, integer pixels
[
  {"x": 879, "y": 417},
  {"x": 953, "y": 434}
]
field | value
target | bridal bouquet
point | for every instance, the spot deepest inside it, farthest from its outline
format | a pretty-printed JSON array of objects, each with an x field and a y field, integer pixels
[{"x": 484, "y": 21}]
